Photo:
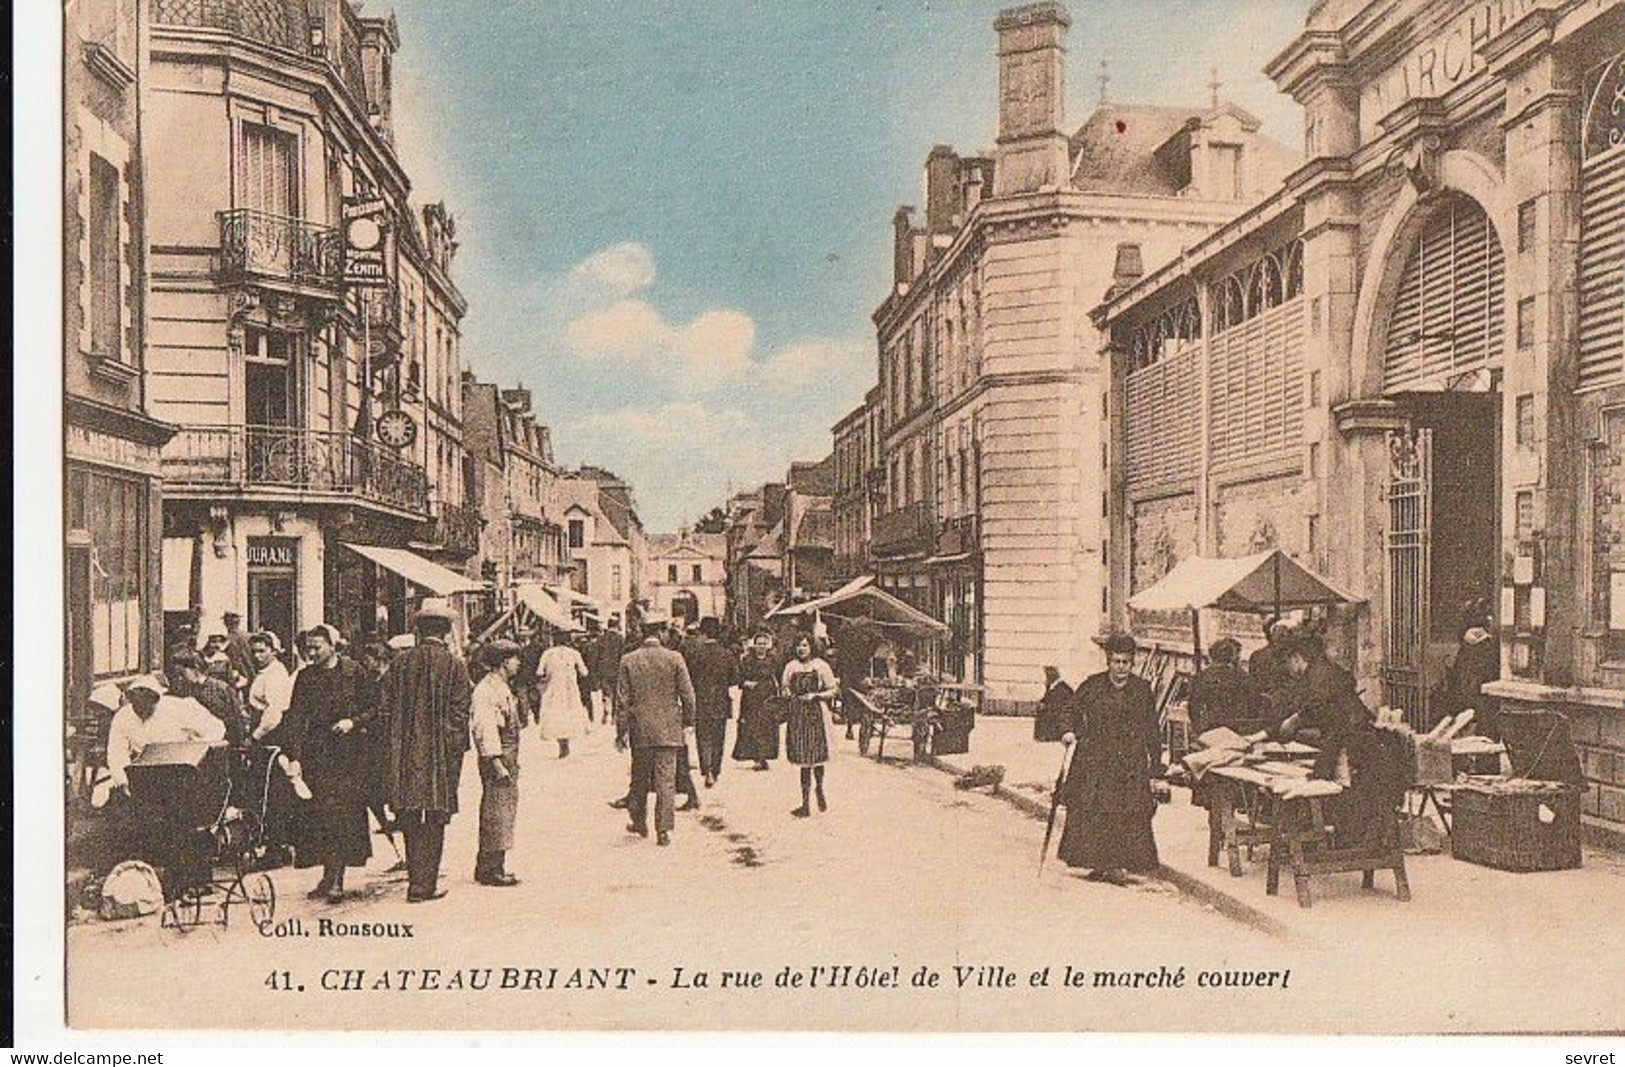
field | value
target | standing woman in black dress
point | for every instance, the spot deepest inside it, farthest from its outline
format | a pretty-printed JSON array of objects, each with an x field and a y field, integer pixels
[
  {"x": 810, "y": 685},
  {"x": 332, "y": 702},
  {"x": 758, "y": 738}
]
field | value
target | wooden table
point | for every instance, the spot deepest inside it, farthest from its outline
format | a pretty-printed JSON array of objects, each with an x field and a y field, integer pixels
[{"x": 1252, "y": 810}]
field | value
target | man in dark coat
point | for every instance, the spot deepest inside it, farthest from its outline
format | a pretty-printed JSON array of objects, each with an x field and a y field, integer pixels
[
  {"x": 1267, "y": 669},
  {"x": 426, "y": 696},
  {"x": 1054, "y": 718},
  {"x": 237, "y": 646},
  {"x": 1222, "y": 694},
  {"x": 654, "y": 714},
  {"x": 605, "y": 666},
  {"x": 1107, "y": 791},
  {"x": 715, "y": 673},
  {"x": 213, "y": 693}
]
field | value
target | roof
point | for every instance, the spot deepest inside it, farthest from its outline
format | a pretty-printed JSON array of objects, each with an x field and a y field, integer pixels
[
  {"x": 813, "y": 479},
  {"x": 1264, "y": 583},
  {"x": 709, "y": 546},
  {"x": 1115, "y": 151},
  {"x": 815, "y": 528},
  {"x": 860, "y": 599}
]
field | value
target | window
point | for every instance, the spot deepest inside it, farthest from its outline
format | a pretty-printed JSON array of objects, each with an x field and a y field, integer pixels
[
  {"x": 1526, "y": 225},
  {"x": 1525, "y": 420},
  {"x": 1526, "y": 322},
  {"x": 113, "y": 510},
  {"x": 270, "y": 175},
  {"x": 695, "y": 573},
  {"x": 615, "y": 582},
  {"x": 671, "y": 572},
  {"x": 1314, "y": 317},
  {"x": 1314, "y": 538},
  {"x": 106, "y": 305},
  {"x": 1524, "y": 516},
  {"x": 578, "y": 533}
]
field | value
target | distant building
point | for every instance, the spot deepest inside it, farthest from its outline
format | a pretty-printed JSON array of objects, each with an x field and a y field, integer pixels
[
  {"x": 604, "y": 538},
  {"x": 989, "y": 471},
  {"x": 687, "y": 575}
]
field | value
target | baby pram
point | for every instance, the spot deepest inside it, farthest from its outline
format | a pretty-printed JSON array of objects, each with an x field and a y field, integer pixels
[{"x": 205, "y": 808}]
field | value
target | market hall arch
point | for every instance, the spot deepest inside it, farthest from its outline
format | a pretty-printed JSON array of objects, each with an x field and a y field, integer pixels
[{"x": 1432, "y": 325}]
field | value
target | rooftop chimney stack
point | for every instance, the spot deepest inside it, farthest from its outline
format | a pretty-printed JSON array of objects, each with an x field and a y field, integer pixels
[
  {"x": 941, "y": 189},
  {"x": 379, "y": 42},
  {"x": 1129, "y": 269},
  {"x": 1032, "y": 146}
]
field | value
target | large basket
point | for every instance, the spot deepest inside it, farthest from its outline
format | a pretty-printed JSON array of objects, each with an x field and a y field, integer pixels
[{"x": 1506, "y": 829}]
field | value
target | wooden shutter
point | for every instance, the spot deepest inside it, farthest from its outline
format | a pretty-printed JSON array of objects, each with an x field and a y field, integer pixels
[
  {"x": 1161, "y": 420},
  {"x": 1258, "y": 386},
  {"x": 268, "y": 174},
  {"x": 1448, "y": 313},
  {"x": 1602, "y": 270}
]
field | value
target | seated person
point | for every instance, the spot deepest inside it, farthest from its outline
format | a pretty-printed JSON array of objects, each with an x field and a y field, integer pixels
[{"x": 151, "y": 715}]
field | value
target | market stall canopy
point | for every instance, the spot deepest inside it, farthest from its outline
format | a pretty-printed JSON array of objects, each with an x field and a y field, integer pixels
[
  {"x": 539, "y": 602},
  {"x": 565, "y": 595},
  {"x": 860, "y": 600},
  {"x": 441, "y": 581},
  {"x": 1264, "y": 583}
]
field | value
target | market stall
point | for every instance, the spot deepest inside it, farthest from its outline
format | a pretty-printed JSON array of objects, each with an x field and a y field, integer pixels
[{"x": 891, "y": 693}]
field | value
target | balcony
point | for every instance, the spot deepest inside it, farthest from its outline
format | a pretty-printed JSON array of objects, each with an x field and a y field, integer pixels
[
  {"x": 960, "y": 536},
  {"x": 456, "y": 529},
  {"x": 258, "y": 248},
  {"x": 284, "y": 460},
  {"x": 911, "y": 528}
]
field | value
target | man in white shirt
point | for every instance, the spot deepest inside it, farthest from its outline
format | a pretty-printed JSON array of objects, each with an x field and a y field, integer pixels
[{"x": 150, "y": 716}]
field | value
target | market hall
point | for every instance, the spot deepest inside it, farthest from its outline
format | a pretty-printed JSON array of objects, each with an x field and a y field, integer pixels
[{"x": 1406, "y": 368}]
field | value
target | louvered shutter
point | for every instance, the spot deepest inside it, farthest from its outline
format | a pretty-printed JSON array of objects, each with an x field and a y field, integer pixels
[
  {"x": 1447, "y": 317},
  {"x": 1160, "y": 421},
  {"x": 1602, "y": 270},
  {"x": 268, "y": 170}
]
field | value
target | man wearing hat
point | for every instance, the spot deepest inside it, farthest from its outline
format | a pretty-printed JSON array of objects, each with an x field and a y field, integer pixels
[
  {"x": 236, "y": 648},
  {"x": 1222, "y": 694},
  {"x": 715, "y": 673},
  {"x": 495, "y": 718},
  {"x": 654, "y": 708},
  {"x": 1107, "y": 790},
  {"x": 605, "y": 662},
  {"x": 426, "y": 697}
]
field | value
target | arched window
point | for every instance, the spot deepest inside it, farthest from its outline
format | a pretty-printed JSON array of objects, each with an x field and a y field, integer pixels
[{"x": 1447, "y": 316}]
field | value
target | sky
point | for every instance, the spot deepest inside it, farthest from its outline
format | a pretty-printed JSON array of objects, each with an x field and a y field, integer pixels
[{"x": 675, "y": 218}]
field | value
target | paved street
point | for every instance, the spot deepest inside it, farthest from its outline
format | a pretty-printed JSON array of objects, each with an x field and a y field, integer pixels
[{"x": 903, "y": 872}]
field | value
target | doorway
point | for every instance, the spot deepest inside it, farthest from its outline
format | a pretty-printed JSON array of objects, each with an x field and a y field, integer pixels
[
  {"x": 272, "y": 604},
  {"x": 1442, "y": 540}
]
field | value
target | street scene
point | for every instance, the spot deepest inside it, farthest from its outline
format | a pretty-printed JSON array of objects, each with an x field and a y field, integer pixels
[{"x": 542, "y": 553}]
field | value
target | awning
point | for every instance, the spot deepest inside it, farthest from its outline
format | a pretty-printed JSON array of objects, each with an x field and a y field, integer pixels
[
  {"x": 539, "y": 602},
  {"x": 565, "y": 594},
  {"x": 860, "y": 600},
  {"x": 1265, "y": 583},
  {"x": 441, "y": 581}
]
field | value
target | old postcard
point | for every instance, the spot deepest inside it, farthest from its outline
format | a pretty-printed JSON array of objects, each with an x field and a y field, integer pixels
[{"x": 1098, "y": 516}]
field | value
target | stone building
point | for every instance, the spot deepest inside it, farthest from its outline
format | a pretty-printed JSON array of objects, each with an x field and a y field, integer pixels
[
  {"x": 112, "y": 595},
  {"x": 282, "y": 250},
  {"x": 1406, "y": 367},
  {"x": 604, "y": 538},
  {"x": 857, "y": 482},
  {"x": 990, "y": 452},
  {"x": 687, "y": 575}
]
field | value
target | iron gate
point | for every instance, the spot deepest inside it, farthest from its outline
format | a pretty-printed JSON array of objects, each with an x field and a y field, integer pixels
[{"x": 1410, "y": 506}]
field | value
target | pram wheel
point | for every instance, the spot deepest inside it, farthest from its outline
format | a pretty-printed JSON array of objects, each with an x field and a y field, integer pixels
[{"x": 260, "y": 892}]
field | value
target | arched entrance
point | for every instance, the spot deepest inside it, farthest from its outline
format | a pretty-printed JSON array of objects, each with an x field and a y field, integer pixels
[
  {"x": 685, "y": 606},
  {"x": 1440, "y": 346}
]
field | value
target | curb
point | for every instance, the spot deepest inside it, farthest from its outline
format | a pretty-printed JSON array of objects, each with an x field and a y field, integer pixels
[{"x": 1188, "y": 885}]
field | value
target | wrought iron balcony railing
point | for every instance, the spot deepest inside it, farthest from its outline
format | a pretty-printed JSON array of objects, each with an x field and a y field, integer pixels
[
  {"x": 256, "y": 246},
  {"x": 318, "y": 462},
  {"x": 910, "y": 528},
  {"x": 960, "y": 535},
  {"x": 456, "y": 529}
]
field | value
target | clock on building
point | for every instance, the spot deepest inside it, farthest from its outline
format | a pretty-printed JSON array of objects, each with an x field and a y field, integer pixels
[{"x": 397, "y": 429}]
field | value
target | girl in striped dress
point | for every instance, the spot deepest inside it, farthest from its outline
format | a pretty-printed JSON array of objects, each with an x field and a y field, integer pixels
[{"x": 810, "y": 685}]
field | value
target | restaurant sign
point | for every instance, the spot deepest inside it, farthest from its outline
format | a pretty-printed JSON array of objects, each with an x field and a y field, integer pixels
[
  {"x": 1440, "y": 61},
  {"x": 273, "y": 552}
]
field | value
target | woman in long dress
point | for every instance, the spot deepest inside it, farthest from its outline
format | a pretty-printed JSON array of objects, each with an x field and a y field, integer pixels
[
  {"x": 758, "y": 738},
  {"x": 330, "y": 705},
  {"x": 563, "y": 716},
  {"x": 810, "y": 685}
]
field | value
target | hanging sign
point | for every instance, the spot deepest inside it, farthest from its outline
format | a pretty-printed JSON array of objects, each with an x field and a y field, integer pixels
[{"x": 365, "y": 244}]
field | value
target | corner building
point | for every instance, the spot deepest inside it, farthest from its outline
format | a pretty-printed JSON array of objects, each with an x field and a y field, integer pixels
[
  {"x": 988, "y": 474},
  {"x": 1406, "y": 367}
]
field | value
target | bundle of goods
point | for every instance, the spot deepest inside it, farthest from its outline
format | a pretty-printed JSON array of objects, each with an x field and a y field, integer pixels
[{"x": 1531, "y": 820}]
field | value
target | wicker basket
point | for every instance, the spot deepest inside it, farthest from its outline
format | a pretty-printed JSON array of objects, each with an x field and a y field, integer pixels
[{"x": 1504, "y": 829}]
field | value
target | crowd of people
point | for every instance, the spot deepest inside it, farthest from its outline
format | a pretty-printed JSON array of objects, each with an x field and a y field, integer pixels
[{"x": 376, "y": 733}]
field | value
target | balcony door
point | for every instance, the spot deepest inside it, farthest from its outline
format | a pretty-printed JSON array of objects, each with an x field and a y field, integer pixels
[
  {"x": 271, "y": 386},
  {"x": 270, "y": 173}
]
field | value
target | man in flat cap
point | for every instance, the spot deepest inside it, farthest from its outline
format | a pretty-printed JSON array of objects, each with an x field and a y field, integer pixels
[
  {"x": 495, "y": 719},
  {"x": 1107, "y": 790},
  {"x": 426, "y": 697}
]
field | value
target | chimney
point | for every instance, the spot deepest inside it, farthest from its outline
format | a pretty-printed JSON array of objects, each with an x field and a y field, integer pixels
[
  {"x": 1128, "y": 269},
  {"x": 902, "y": 222},
  {"x": 379, "y": 43},
  {"x": 517, "y": 399},
  {"x": 941, "y": 178},
  {"x": 1033, "y": 152}
]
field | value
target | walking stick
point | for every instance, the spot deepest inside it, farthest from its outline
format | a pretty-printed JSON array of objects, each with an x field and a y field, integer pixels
[{"x": 1055, "y": 805}]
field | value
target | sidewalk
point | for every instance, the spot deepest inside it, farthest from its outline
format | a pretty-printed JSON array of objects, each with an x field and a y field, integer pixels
[{"x": 1563, "y": 904}]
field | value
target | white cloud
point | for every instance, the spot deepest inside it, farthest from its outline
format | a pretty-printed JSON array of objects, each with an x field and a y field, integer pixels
[
  {"x": 825, "y": 363},
  {"x": 626, "y": 329},
  {"x": 621, "y": 269},
  {"x": 671, "y": 424}
]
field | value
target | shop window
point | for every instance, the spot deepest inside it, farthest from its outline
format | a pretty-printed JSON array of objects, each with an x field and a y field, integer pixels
[{"x": 112, "y": 510}]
